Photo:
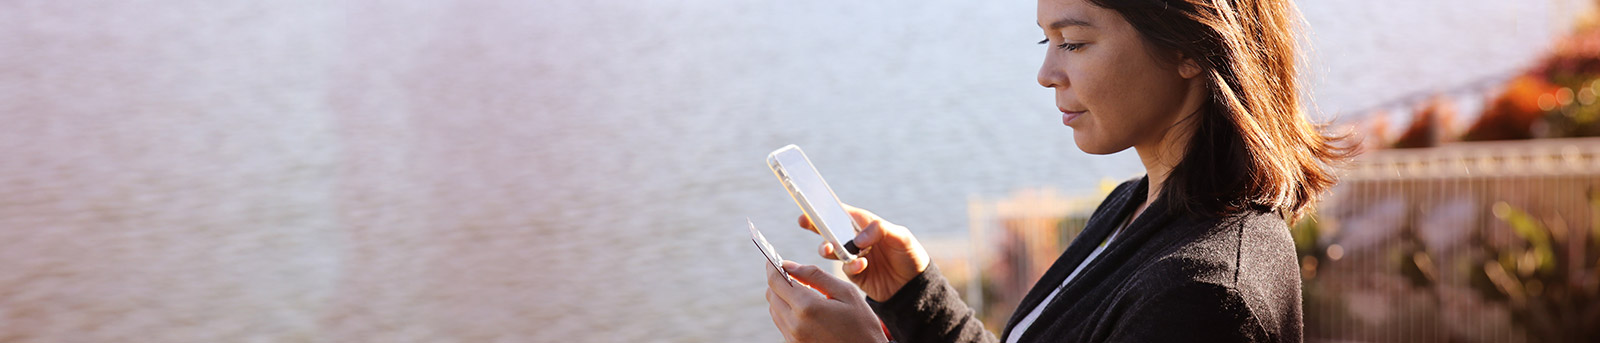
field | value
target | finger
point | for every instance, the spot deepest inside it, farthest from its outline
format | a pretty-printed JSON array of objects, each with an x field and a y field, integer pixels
[
  {"x": 776, "y": 279},
  {"x": 856, "y": 266},
  {"x": 780, "y": 312},
  {"x": 796, "y": 295},
  {"x": 862, "y": 217},
  {"x": 818, "y": 279},
  {"x": 805, "y": 223},
  {"x": 869, "y": 236},
  {"x": 826, "y": 250},
  {"x": 776, "y": 305}
]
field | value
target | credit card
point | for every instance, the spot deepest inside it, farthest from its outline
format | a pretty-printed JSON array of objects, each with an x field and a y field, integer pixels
[{"x": 766, "y": 249}]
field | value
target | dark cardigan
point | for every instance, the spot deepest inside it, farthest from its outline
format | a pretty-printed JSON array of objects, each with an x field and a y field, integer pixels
[{"x": 1165, "y": 278}]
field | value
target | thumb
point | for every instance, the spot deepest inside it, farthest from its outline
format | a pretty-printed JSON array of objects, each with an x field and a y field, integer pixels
[
  {"x": 869, "y": 235},
  {"x": 818, "y": 279}
]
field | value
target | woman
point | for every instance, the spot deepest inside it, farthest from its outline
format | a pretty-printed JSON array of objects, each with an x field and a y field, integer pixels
[{"x": 1196, "y": 250}]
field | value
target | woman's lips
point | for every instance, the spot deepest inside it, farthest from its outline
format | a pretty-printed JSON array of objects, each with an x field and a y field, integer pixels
[{"x": 1068, "y": 116}]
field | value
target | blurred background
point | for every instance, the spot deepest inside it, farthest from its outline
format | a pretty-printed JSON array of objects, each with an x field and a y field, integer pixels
[{"x": 558, "y": 171}]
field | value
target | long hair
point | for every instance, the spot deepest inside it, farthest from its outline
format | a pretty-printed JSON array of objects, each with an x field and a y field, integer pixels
[{"x": 1253, "y": 146}]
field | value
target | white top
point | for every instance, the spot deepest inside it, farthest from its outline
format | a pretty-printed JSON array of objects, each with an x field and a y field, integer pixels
[{"x": 1022, "y": 325}]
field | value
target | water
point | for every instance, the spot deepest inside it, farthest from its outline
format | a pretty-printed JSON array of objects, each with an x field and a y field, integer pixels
[{"x": 548, "y": 171}]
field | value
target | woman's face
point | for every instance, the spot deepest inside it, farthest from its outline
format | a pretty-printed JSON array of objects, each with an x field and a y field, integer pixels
[{"x": 1112, "y": 88}]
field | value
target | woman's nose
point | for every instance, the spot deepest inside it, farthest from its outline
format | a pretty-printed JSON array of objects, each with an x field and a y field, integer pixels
[{"x": 1051, "y": 77}]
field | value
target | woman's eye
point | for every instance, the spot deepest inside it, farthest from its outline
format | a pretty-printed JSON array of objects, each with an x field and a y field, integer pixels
[{"x": 1065, "y": 46}]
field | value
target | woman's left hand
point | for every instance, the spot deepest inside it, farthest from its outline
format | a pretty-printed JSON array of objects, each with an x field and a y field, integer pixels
[{"x": 835, "y": 312}]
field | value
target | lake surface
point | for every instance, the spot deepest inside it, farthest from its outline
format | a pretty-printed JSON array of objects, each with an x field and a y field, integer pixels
[{"x": 436, "y": 171}]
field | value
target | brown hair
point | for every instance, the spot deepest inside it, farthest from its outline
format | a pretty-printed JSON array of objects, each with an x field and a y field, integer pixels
[{"x": 1253, "y": 147}]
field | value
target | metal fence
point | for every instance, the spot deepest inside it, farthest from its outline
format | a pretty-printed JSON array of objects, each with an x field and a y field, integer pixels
[{"x": 1483, "y": 241}]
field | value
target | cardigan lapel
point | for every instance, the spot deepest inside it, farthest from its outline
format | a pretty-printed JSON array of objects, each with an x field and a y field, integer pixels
[
  {"x": 1137, "y": 243},
  {"x": 1100, "y": 225}
]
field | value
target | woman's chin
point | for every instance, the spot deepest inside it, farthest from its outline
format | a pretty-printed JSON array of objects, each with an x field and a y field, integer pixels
[{"x": 1088, "y": 145}]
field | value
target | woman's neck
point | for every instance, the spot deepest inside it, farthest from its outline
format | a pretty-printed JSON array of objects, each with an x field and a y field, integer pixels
[
  {"x": 1158, "y": 161},
  {"x": 1161, "y": 156}
]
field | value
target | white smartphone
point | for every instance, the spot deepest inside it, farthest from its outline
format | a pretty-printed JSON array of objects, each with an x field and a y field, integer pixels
[
  {"x": 815, "y": 198},
  {"x": 766, "y": 249}
]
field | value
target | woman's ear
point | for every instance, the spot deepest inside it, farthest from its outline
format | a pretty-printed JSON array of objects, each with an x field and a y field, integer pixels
[{"x": 1187, "y": 67}]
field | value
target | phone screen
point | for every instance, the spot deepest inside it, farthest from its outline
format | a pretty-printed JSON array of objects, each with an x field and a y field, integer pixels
[{"x": 814, "y": 196}]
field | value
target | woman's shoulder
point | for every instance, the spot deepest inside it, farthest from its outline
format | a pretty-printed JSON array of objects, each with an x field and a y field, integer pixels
[
  {"x": 1225, "y": 250},
  {"x": 1242, "y": 266}
]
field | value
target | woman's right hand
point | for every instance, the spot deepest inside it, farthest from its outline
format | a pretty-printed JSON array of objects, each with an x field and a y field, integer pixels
[{"x": 894, "y": 259}]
